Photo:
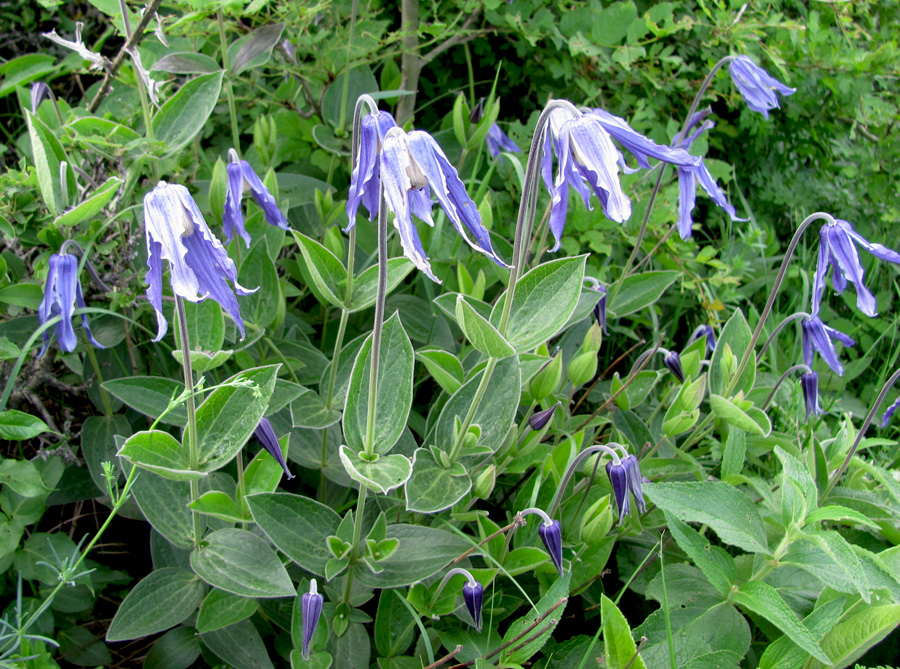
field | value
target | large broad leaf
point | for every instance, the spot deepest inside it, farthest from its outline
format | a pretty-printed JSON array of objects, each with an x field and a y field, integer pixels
[
  {"x": 495, "y": 414},
  {"x": 444, "y": 367},
  {"x": 186, "y": 113},
  {"x": 228, "y": 417},
  {"x": 730, "y": 513},
  {"x": 150, "y": 395},
  {"x": 239, "y": 645},
  {"x": 19, "y": 426},
  {"x": 164, "y": 505},
  {"x": 422, "y": 552},
  {"x": 309, "y": 411},
  {"x": 716, "y": 564},
  {"x": 239, "y": 562},
  {"x": 160, "y": 453},
  {"x": 98, "y": 444},
  {"x": 258, "y": 271},
  {"x": 432, "y": 488},
  {"x": 328, "y": 273},
  {"x": 298, "y": 526},
  {"x": 735, "y": 336},
  {"x": 639, "y": 291},
  {"x": 382, "y": 473},
  {"x": 764, "y": 600},
  {"x": 852, "y": 637},
  {"x": 365, "y": 286},
  {"x": 160, "y": 601},
  {"x": 618, "y": 642},
  {"x": 221, "y": 609},
  {"x": 785, "y": 653},
  {"x": 545, "y": 298},
  {"x": 48, "y": 155},
  {"x": 254, "y": 49},
  {"x": 393, "y": 395}
]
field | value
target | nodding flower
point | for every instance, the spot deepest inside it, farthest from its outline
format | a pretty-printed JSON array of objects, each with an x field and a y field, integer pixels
[
  {"x": 550, "y": 532},
  {"x": 177, "y": 232},
  {"x": 817, "y": 338},
  {"x": 757, "y": 87},
  {"x": 61, "y": 292},
  {"x": 809, "y": 383},
  {"x": 472, "y": 591},
  {"x": 704, "y": 331},
  {"x": 241, "y": 178},
  {"x": 498, "y": 141},
  {"x": 837, "y": 248}
]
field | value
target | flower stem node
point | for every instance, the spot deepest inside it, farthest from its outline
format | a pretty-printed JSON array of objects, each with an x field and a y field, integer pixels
[{"x": 177, "y": 232}]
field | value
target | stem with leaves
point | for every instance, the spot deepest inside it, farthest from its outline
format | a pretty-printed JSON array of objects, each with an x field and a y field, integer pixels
[{"x": 191, "y": 432}]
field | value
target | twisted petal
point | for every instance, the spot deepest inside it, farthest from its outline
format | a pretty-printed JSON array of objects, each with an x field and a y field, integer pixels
[
  {"x": 265, "y": 435},
  {"x": 756, "y": 86},
  {"x": 364, "y": 181},
  {"x": 633, "y": 468},
  {"x": 551, "y": 535},
  {"x": 687, "y": 197},
  {"x": 639, "y": 146},
  {"x": 200, "y": 267},
  {"x": 498, "y": 141},
  {"x": 263, "y": 197},
  {"x": 450, "y": 192},
  {"x": 817, "y": 337},
  {"x": 716, "y": 194},
  {"x": 233, "y": 216}
]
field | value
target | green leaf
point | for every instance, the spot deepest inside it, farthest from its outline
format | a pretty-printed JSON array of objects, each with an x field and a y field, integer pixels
[
  {"x": 218, "y": 504},
  {"x": 423, "y": 552},
  {"x": 393, "y": 395},
  {"x": 150, "y": 395},
  {"x": 239, "y": 646},
  {"x": 735, "y": 450},
  {"x": 556, "y": 594},
  {"x": 784, "y": 653},
  {"x": 838, "y": 513},
  {"x": 545, "y": 298},
  {"x": 392, "y": 636},
  {"x": 255, "y": 48},
  {"x": 258, "y": 271},
  {"x": 78, "y": 646},
  {"x": 852, "y": 637},
  {"x": 620, "y": 649},
  {"x": 22, "y": 477},
  {"x": 48, "y": 155},
  {"x": 19, "y": 426},
  {"x": 263, "y": 474},
  {"x": 205, "y": 326},
  {"x": 795, "y": 471},
  {"x": 764, "y": 600},
  {"x": 383, "y": 473},
  {"x": 160, "y": 453},
  {"x": 298, "y": 526},
  {"x": 221, "y": 609},
  {"x": 479, "y": 331},
  {"x": 716, "y": 564},
  {"x": 164, "y": 505},
  {"x": 827, "y": 556},
  {"x": 736, "y": 335},
  {"x": 444, "y": 367},
  {"x": 328, "y": 273},
  {"x": 730, "y": 513},
  {"x": 432, "y": 488},
  {"x": 309, "y": 411},
  {"x": 741, "y": 419},
  {"x": 228, "y": 417},
  {"x": 184, "y": 114},
  {"x": 365, "y": 286},
  {"x": 24, "y": 69},
  {"x": 345, "y": 90},
  {"x": 98, "y": 443},
  {"x": 92, "y": 205},
  {"x": 176, "y": 649},
  {"x": 28, "y": 295},
  {"x": 160, "y": 601},
  {"x": 639, "y": 291},
  {"x": 186, "y": 62},
  {"x": 239, "y": 562}
]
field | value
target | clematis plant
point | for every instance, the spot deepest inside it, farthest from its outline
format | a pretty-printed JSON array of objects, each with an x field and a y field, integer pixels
[
  {"x": 817, "y": 338},
  {"x": 758, "y": 88},
  {"x": 61, "y": 292},
  {"x": 241, "y": 178}
]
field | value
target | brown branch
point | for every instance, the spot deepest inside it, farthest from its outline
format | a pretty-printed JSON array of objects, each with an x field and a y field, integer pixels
[
  {"x": 132, "y": 42},
  {"x": 606, "y": 371},
  {"x": 460, "y": 37},
  {"x": 449, "y": 656},
  {"x": 518, "y": 521}
]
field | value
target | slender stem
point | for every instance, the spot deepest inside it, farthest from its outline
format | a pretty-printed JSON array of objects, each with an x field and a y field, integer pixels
[
  {"x": 781, "y": 379},
  {"x": 590, "y": 450},
  {"x": 773, "y": 294},
  {"x": 241, "y": 488},
  {"x": 859, "y": 435},
  {"x": 779, "y": 328},
  {"x": 379, "y": 321},
  {"x": 229, "y": 92},
  {"x": 357, "y": 538},
  {"x": 693, "y": 110},
  {"x": 473, "y": 407},
  {"x": 104, "y": 396},
  {"x": 193, "y": 453}
]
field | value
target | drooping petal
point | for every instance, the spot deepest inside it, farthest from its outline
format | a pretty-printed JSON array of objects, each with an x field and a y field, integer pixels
[
  {"x": 817, "y": 337},
  {"x": 716, "y": 194},
  {"x": 756, "y": 86},
  {"x": 844, "y": 255},
  {"x": 593, "y": 152},
  {"x": 66, "y": 280},
  {"x": 886, "y": 418},
  {"x": 498, "y": 141},
  {"x": 365, "y": 178},
  {"x": 809, "y": 383},
  {"x": 687, "y": 197},
  {"x": 878, "y": 250},
  {"x": 79, "y": 298},
  {"x": 233, "y": 216},
  {"x": 632, "y": 466},
  {"x": 154, "y": 285},
  {"x": 263, "y": 197},
  {"x": 638, "y": 145},
  {"x": 265, "y": 435},
  {"x": 618, "y": 477}
]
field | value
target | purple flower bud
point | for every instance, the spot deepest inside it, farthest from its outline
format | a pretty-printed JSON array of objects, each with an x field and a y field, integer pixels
[
  {"x": 810, "y": 384},
  {"x": 886, "y": 418},
  {"x": 618, "y": 477},
  {"x": 757, "y": 87},
  {"x": 311, "y": 608},
  {"x": 551, "y": 535},
  {"x": 704, "y": 331},
  {"x": 477, "y": 112},
  {"x": 817, "y": 338},
  {"x": 539, "y": 419},
  {"x": 240, "y": 178},
  {"x": 473, "y": 594},
  {"x": 600, "y": 307},
  {"x": 265, "y": 435},
  {"x": 498, "y": 141},
  {"x": 672, "y": 360},
  {"x": 61, "y": 293},
  {"x": 633, "y": 468},
  {"x": 39, "y": 91}
]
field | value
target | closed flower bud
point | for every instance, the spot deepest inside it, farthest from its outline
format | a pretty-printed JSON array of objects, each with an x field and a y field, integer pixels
[
  {"x": 311, "y": 607},
  {"x": 547, "y": 379},
  {"x": 810, "y": 384},
  {"x": 539, "y": 419},
  {"x": 596, "y": 529},
  {"x": 551, "y": 535},
  {"x": 673, "y": 361},
  {"x": 265, "y": 435},
  {"x": 582, "y": 368},
  {"x": 473, "y": 594},
  {"x": 618, "y": 477},
  {"x": 484, "y": 483}
]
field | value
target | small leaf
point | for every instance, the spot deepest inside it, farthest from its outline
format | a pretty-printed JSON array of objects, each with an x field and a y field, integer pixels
[
  {"x": 90, "y": 206},
  {"x": 218, "y": 504},
  {"x": 19, "y": 426},
  {"x": 480, "y": 333},
  {"x": 639, "y": 291},
  {"x": 221, "y": 609},
  {"x": 382, "y": 474},
  {"x": 618, "y": 642},
  {"x": 255, "y": 49},
  {"x": 184, "y": 114},
  {"x": 160, "y": 453}
]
